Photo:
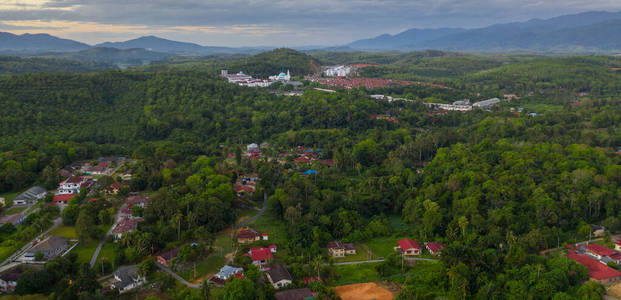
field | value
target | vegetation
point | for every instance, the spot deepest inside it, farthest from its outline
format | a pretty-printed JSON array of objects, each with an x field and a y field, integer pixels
[{"x": 496, "y": 186}]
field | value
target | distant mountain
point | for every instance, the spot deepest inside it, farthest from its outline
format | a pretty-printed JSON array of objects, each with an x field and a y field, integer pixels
[
  {"x": 407, "y": 39},
  {"x": 157, "y": 44},
  {"x": 118, "y": 57},
  {"x": 584, "y": 32},
  {"x": 37, "y": 42}
]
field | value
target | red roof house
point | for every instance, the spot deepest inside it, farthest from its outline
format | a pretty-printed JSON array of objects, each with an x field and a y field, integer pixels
[
  {"x": 408, "y": 247},
  {"x": 261, "y": 256},
  {"x": 597, "y": 271},
  {"x": 249, "y": 235},
  {"x": 62, "y": 199},
  {"x": 124, "y": 225},
  {"x": 165, "y": 258},
  {"x": 599, "y": 251},
  {"x": 434, "y": 247}
]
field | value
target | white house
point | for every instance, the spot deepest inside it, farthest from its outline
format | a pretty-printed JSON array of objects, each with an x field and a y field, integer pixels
[
  {"x": 71, "y": 186},
  {"x": 127, "y": 278}
]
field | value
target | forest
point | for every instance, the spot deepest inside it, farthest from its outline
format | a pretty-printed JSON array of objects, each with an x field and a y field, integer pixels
[{"x": 496, "y": 186}]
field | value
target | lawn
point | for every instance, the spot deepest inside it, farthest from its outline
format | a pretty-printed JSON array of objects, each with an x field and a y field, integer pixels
[
  {"x": 107, "y": 253},
  {"x": 85, "y": 251},
  {"x": 67, "y": 232},
  {"x": 6, "y": 252},
  {"x": 207, "y": 267},
  {"x": 15, "y": 210},
  {"x": 8, "y": 197},
  {"x": 383, "y": 246},
  {"x": 363, "y": 252},
  {"x": 275, "y": 228},
  {"x": 349, "y": 274}
]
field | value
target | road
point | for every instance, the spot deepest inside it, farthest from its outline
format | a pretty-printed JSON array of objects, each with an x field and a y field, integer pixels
[
  {"x": 255, "y": 217},
  {"x": 177, "y": 277},
  {"x": 103, "y": 241},
  {"x": 18, "y": 253}
]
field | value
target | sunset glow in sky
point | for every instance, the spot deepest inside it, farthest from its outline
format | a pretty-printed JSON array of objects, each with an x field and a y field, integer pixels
[{"x": 268, "y": 22}]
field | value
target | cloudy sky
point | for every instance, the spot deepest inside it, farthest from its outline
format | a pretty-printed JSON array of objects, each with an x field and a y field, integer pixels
[{"x": 268, "y": 22}]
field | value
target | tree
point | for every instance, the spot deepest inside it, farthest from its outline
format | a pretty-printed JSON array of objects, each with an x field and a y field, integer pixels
[
  {"x": 85, "y": 226},
  {"x": 238, "y": 289}
]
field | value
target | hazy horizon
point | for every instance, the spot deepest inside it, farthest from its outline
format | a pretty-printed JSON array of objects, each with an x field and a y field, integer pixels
[{"x": 276, "y": 23}]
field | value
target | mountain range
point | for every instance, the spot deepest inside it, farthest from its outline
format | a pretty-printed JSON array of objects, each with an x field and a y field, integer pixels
[
  {"x": 585, "y": 32},
  {"x": 589, "y": 32}
]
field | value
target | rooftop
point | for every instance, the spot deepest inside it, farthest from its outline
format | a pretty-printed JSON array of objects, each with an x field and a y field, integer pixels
[
  {"x": 406, "y": 244},
  {"x": 597, "y": 270},
  {"x": 278, "y": 272},
  {"x": 600, "y": 250}
]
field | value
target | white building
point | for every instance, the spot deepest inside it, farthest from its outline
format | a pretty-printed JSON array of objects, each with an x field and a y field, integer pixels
[
  {"x": 485, "y": 104},
  {"x": 71, "y": 186},
  {"x": 235, "y": 78},
  {"x": 338, "y": 71},
  {"x": 127, "y": 278},
  {"x": 281, "y": 77}
]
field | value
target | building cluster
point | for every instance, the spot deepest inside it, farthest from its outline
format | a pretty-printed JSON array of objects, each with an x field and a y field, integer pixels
[
  {"x": 343, "y": 70},
  {"x": 596, "y": 258},
  {"x": 369, "y": 83},
  {"x": 247, "y": 80},
  {"x": 408, "y": 247},
  {"x": 48, "y": 248},
  {"x": 128, "y": 222},
  {"x": 102, "y": 166},
  {"x": 127, "y": 278}
]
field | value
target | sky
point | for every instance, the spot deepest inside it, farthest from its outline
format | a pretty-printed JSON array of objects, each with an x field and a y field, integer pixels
[{"x": 269, "y": 22}]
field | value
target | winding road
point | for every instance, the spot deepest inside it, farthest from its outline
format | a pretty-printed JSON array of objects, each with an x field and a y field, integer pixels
[{"x": 255, "y": 217}]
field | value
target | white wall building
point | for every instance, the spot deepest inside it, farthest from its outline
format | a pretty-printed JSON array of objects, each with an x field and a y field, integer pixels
[{"x": 281, "y": 77}]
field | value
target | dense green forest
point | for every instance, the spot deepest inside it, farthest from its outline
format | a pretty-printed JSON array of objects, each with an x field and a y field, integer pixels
[
  {"x": 496, "y": 186},
  {"x": 21, "y": 65}
]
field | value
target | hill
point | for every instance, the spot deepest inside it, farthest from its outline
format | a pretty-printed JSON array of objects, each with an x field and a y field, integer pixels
[
  {"x": 21, "y": 65},
  {"x": 37, "y": 42},
  {"x": 584, "y": 32},
  {"x": 118, "y": 57},
  {"x": 158, "y": 44},
  {"x": 272, "y": 62}
]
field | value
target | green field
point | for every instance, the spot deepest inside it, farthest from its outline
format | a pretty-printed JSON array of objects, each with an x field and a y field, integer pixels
[
  {"x": 362, "y": 253},
  {"x": 15, "y": 210},
  {"x": 85, "y": 251},
  {"x": 275, "y": 228},
  {"x": 6, "y": 251},
  {"x": 383, "y": 246},
  {"x": 205, "y": 268},
  {"x": 355, "y": 274},
  {"x": 67, "y": 232},
  {"x": 8, "y": 197}
]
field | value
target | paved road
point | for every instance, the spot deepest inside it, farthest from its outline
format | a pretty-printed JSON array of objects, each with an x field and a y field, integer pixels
[
  {"x": 101, "y": 243},
  {"x": 175, "y": 276},
  {"x": 255, "y": 217},
  {"x": 18, "y": 253}
]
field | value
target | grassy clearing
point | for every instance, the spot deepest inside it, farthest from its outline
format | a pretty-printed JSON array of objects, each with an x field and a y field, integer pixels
[
  {"x": 383, "y": 246},
  {"x": 67, "y": 232},
  {"x": 355, "y": 274},
  {"x": 15, "y": 210},
  {"x": 6, "y": 252},
  {"x": 8, "y": 197},
  {"x": 85, "y": 251},
  {"x": 274, "y": 227},
  {"x": 205, "y": 268},
  {"x": 107, "y": 252},
  {"x": 363, "y": 252}
]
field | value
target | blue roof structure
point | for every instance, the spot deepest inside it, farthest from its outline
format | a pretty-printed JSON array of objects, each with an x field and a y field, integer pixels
[{"x": 310, "y": 172}]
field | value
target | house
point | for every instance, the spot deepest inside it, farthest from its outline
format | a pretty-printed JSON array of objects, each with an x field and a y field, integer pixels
[
  {"x": 71, "y": 185},
  {"x": 278, "y": 276},
  {"x": 123, "y": 226},
  {"x": 599, "y": 251},
  {"x": 618, "y": 245},
  {"x": 294, "y": 294},
  {"x": 597, "y": 271},
  {"x": 137, "y": 200},
  {"x": 30, "y": 196},
  {"x": 228, "y": 272},
  {"x": 338, "y": 249},
  {"x": 261, "y": 256},
  {"x": 485, "y": 104},
  {"x": 272, "y": 248},
  {"x": 434, "y": 247},
  {"x": 165, "y": 258},
  {"x": 49, "y": 247},
  {"x": 13, "y": 219},
  {"x": 113, "y": 189},
  {"x": 8, "y": 280},
  {"x": 597, "y": 230},
  {"x": 247, "y": 236},
  {"x": 62, "y": 199},
  {"x": 127, "y": 278},
  {"x": 253, "y": 148},
  {"x": 408, "y": 247}
]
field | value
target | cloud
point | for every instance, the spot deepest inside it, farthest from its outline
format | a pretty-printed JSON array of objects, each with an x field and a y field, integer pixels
[{"x": 293, "y": 22}]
